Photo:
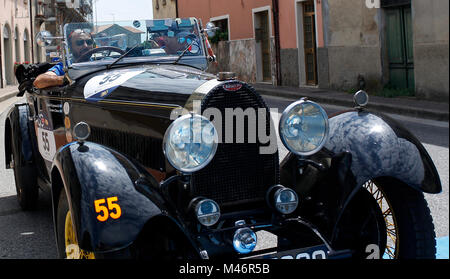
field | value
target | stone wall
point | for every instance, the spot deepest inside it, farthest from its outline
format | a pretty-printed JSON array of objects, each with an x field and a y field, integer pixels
[
  {"x": 289, "y": 67},
  {"x": 431, "y": 48},
  {"x": 237, "y": 56},
  {"x": 352, "y": 46},
  {"x": 354, "y": 37}
]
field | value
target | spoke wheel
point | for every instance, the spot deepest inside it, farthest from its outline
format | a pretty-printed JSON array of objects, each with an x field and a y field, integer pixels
[
  {"x": 389, "y": 219},
  {"x": 73, "y": 251}
]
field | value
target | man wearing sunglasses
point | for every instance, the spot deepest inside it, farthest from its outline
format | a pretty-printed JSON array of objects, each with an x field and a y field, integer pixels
[{"x": 79, "y": 42}]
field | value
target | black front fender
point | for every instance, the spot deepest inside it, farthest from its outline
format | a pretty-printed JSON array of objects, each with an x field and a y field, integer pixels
[
  {"x": 382, "y": 147},
  {"x": 111, "y": 197}
]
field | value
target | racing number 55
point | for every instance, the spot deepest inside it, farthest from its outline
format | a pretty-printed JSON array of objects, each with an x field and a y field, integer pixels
[{"x": 113, "y": 210}]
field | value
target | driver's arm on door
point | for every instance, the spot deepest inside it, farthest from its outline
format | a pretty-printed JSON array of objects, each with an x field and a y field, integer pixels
[
  {"x": 53, "y": 77},
  {"x": 48, "y": 79}
]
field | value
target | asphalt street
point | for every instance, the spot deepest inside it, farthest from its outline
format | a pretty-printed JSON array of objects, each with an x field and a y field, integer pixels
[{"x": 30, "y": 235}]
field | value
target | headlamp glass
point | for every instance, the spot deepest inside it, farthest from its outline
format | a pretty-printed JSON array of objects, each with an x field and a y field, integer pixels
[
  {"x": 304, "y": 127},
  {"x": 286, "y": 200},
  {"x": 190, "y": 143},
  {"x": 208, "y": 212}
]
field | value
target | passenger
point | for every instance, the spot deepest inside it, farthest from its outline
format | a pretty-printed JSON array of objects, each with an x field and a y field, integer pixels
[
  {"x": 173, "y": 44},
  {"x": 79, "y": 42}
]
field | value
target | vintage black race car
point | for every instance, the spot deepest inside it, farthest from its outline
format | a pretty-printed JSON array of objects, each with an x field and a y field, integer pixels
[{"x": 149, "y": 156}]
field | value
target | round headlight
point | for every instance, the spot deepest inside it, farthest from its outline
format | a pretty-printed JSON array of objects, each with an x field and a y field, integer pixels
[
  {"x": 244, "y": 240},
  {"x": 190, "y": 143},
  {"x": 304, "y": 127},
  {"x": 208, "y": 212},
  {"x": 286, "y": 200}
]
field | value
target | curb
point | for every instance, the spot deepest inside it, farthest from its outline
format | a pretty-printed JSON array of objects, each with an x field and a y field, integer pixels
[
  {"x": 8, "y": 95},
  {"x": 348, "y": 102}
]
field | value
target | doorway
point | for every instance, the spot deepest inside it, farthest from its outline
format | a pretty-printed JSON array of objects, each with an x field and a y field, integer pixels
[
  {"x": 26, "y": 46},
  {"x": 261, "y": 20},
  {"x": 9, "y": 74},
  {"x": 399, "y": 46},
  {"x": 309, "y": 33},
  {"x": 306, "y": 42}
]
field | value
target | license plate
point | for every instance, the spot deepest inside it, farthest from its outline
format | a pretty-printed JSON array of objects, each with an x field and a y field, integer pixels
[{"x": 315, "y": 252}]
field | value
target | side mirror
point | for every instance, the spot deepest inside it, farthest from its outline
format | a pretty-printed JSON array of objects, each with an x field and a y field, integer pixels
[
  {"x": 211, "y": 29},
  {"x": 45, "y": 38}
]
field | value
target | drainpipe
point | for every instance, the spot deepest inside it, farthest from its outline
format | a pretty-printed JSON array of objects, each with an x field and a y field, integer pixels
[
  {"x": 31, "y": 33},
  {"x": 176, "y": 8},
  {"x": 1, "y": 58},
  {"x": 276, "y": 23}
]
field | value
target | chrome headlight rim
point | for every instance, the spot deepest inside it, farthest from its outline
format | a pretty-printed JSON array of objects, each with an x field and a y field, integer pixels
[
  {"x": 278, "y": 203},
  {"x": 215, "y": 216},
  {"x": 168, "y": 133},
  {"x": 286, "y": 113}
]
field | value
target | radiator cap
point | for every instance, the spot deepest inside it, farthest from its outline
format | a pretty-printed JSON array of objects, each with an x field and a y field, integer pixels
[{"x": 221, "y": 76}]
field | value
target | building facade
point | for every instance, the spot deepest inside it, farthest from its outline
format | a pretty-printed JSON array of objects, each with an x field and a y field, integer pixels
[
  {"x": 337, "y": 44},
  {"x": 21, "y": 20},
  {"x": 247, "y": 46},
  {"x": 133, "y": 35},
  {"x": 15, "y": 36},
  {"x": 399, "y": 44},
  {"x": 164, "y": 9}
]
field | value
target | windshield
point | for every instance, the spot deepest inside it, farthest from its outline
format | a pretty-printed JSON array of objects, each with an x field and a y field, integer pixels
[{"x": 144, "y": 40}]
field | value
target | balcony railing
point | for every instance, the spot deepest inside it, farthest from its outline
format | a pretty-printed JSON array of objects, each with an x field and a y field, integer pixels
[
  {"x": 78, "y": 10},
  {"x": 83, "y": 8}
]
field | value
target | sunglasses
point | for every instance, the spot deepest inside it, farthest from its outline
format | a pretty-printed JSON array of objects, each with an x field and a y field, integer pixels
[{"x": 89, "y": 42}]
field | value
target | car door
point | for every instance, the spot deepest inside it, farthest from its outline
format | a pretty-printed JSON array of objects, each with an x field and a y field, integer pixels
[{"x": 49, "y": 123}]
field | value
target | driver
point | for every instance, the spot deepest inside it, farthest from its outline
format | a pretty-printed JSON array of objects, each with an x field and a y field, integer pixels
[{"x": 79, "y": 42}]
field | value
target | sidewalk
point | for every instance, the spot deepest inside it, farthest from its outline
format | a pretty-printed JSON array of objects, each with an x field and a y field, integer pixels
[
  {"x": 404, "y": 106},
  {"x": 8, "y": 92}
]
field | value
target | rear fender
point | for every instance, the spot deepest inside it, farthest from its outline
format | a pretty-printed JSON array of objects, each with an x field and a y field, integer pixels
[
  {"x": 381, "y": 147},
  {"x": 110, "y": 197}
]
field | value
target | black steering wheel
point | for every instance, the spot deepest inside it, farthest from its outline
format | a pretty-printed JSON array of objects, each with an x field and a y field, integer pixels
[{"x": 98, "y": 49}]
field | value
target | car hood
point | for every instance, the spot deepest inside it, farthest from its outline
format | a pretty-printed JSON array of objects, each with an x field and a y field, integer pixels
[{"x": 161, "y": 84}]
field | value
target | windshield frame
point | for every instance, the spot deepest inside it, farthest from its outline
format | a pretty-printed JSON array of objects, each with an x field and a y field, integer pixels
[{"x": 199, "y": 61}]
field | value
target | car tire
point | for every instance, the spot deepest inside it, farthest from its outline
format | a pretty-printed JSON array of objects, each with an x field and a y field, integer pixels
[
  {"x": 387, "y": 219},
  {"x": 63, "y": 209},
  {"x": 71, "y": 251},
  {"x": 25, "y": 177},
  {"x": 414, "y": 223}
]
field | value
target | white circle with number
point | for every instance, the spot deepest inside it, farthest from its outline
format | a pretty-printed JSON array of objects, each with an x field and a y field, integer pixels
[
  {"x": 102, "y": 85},
  {"x": 46, "y": 144}
]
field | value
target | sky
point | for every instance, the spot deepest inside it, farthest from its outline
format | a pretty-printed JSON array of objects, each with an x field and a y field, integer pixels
[{"x": 122, "y": 10}]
